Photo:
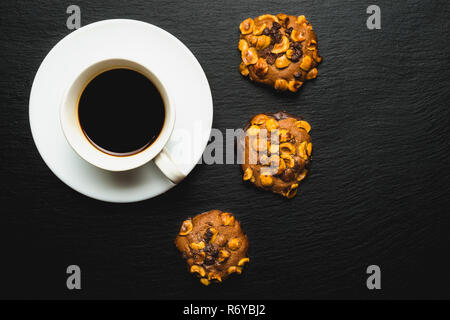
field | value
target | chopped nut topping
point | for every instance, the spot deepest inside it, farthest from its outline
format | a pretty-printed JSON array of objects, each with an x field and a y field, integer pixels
[
  {"x": 289, "y": 53},
  {"x": 312, "y": 74},
  {"x": 234, "y": 269},
  {"x": 294, "y": 85},
  {"x": 248, "y": 174},
  {"x": 205, "y": 281},
  {"x": 287, "y": 148},
  {"x": 213, "y": 276},
  {"x": 288, "y": 159},
  {"x": 297, "y": 36},
  {"x": 306, "y": 63},
  {"x": 266, "y": 180},
  {"x": 252, "y": 40},
  {"x": 302, "y": 150},
  {"x": 301, "y": 19},
  {"x": 249, "y": 56},
  {"x": 233, "y": 244},
  {"x": 261, "y": 67},
  {"x": 243, "y": 261},
  {"x": 227, "y": 219},
  {"x": 309, "y": 148},
  {"x": 267, "y": 17},
  {"x": 304, "y": 125},
  {"x": 282, "y": 62},
  {"x": 271, "y": 124},
  {"x": 246, "y": 26},
  {"x": 282, "y": 46},
  {"x": 197, "y": 246},
  {"x": 302, "y": 175},
  {"x": 253, "y": 130},
  {"x": 292, "y": 191},
  {"x": 243, "y": 45},
  {"x": 262, "y": 42},
  {"x": 259, "y": 119},
  {"x": 198, "y": 269},
  {"x": 243, "y": 69},
  {"x": 223, "y": 255},
  {"x": 186, "y": 227},
  {"x": 281, "y": 84},
  {"x": 258, "y": 29}
]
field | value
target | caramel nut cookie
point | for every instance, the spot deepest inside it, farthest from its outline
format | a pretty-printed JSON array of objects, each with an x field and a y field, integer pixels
[
  {"x": 280, "y": 51},
  {"x": 213, "y": 245},
  {"x": 277, "y": 152}
]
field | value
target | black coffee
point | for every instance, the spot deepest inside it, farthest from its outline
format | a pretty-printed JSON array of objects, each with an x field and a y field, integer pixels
[{"x": 121, "y": 112}]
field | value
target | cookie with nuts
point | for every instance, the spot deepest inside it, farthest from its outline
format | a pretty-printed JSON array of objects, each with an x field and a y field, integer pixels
[
  {"x": 280, "y": 51},
  {"x": 276, "y": 152},
  {"x": 213, "y": 245}
]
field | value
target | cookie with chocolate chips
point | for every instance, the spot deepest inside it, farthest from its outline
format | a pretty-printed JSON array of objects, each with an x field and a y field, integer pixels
[
  {"x": 213, "y": 245},
  {"x": 276, "y": 152},
  {"x": 280, "y": 51}
]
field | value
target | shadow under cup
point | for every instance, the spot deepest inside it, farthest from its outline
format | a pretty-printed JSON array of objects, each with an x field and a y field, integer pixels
[{"x": 116, "y": 128}]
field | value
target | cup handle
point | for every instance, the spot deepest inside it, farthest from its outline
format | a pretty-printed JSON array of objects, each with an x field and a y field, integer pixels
[{"x": 165, "y": 163}]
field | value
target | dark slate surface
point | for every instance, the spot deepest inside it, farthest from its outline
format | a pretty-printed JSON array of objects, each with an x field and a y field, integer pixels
[{"x": 377, "y": 194}]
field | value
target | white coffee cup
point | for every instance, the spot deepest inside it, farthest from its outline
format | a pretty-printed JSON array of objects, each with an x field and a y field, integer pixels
[{"x": 78, "y": 141}]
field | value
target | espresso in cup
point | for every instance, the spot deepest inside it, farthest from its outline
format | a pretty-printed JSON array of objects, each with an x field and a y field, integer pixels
[
  {"x": 118, "y": 115},
  {"x": 121, "y": 112}
]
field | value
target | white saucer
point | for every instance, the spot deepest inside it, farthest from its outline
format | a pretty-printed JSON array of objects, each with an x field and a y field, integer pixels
[{"x": 168, "y": 58}]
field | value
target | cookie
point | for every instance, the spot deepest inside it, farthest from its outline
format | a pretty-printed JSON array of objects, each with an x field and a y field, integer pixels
[
  {"x": 276, "y": 152},
  {"x": 213, "y": 245},
  {"x": 280, "y": 51}
]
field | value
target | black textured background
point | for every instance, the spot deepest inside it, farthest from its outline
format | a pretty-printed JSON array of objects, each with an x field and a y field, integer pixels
[{"x": 377, "y": 193}]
